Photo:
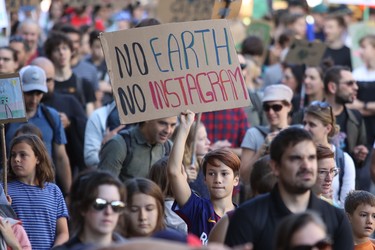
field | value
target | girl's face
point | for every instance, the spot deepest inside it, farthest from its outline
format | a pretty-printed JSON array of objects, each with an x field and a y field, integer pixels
[
  {"x": 99, "y": 222},
  {"x": 309, "y": 235},
  {"x": 326, "y": 173},
  {"x": 318, "y": 131},
  {"x": 289, "y": 79},
  {"x": 202, "y": 143},
  {"x": 143, "y": 215},
  {"x": 313, "y": 82},
  {"x": 23, "y": 162}
]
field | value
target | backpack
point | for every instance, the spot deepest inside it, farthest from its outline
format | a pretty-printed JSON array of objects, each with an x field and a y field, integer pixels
[
  {"x": 129, "y": 149},
  {"x": 340, "y": 163}
]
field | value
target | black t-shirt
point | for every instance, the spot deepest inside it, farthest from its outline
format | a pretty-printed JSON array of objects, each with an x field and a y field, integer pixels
[
  {"x": 339, "y": 56},
  {"x": 342, "y": 137},
  {"x": 80, "y": 88}
]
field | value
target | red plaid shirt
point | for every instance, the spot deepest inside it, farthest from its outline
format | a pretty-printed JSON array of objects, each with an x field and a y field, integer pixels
[{"x": 229, "y": 124}]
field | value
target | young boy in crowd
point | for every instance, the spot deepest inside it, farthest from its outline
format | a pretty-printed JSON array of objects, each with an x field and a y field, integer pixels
[
  {"x": 360, "y": 209},
  {"x": 221, "y": 172}
]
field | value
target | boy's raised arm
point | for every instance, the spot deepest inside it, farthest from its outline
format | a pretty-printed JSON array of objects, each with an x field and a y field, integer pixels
[{"x": 177, "y": 178}]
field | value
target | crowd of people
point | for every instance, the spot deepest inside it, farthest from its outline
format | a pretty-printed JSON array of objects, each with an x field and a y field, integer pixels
[{"x": 293, "y": 170}]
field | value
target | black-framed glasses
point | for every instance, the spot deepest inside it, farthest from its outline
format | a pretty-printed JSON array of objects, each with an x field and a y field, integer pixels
[
  {"x": 349, "y": 83},
  {"x": 100, "y": 204},
  {"x": 324, "y": 173},
  {"x": 325, "y": 244},
  {"x": 274, "y": 107}
]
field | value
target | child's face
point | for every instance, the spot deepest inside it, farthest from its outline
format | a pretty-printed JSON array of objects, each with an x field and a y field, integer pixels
[
  {"x": 363, "y": 221},
  {"x": 220, "y": 180},
  {"x": 142, "y": 215},
  {"x": 23, "y": 162}
]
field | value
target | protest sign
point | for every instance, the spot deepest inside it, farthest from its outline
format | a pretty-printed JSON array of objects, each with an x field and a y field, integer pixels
[
  {"x": 159, "y": 71},
  {"x": 12, "y": 106},
  {"x": 14, "y": 5},
  {"x": 170, "y": 11},
  {"x": 3, "y": 15},
  {"x": 356, "y": 32},
  {"x": 305, "y": 52},
  {"x": 355, "y": 2},
  {"x": 261, "y": 29},
  {"x": 115, "y": 4},
  {"x": 228, "y": 9}
]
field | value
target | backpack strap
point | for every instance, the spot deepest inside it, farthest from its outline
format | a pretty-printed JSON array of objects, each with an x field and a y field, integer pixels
[
  {"x": 48, "y": 116},
  {"x": 340, "y": 163},
  {"x": 264, "y": 130},
  {"x": 129, "y": 150}
]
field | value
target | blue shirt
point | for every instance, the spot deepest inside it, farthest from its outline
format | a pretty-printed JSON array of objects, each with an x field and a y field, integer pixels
[
  {"x": 50, "y": 135},
  {"x": 199, "y": 215},
  {"x": 38, "y": 209}
]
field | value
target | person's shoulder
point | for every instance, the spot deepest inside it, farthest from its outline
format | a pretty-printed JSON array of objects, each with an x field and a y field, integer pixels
[
  {"x": 51, "y": 110},
  {"x": 259, "y": 202}
]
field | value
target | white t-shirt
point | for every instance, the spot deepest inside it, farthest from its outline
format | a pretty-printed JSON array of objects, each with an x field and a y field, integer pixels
[{"x": 363, "y": 74}]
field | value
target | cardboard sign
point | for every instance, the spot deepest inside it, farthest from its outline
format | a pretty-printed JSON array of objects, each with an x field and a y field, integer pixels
[
  {"x": 171, "y": 11},
  {"x": 305, "y": 52},
  {"x": 355, "y": 2},
  {"x": 226, "y": 9},
  {"x": 161, "y": 70},
  {"x": 14, "y": 5},
  {"x": 356, "y": 32},
  {"x": 12, "y": 106}
]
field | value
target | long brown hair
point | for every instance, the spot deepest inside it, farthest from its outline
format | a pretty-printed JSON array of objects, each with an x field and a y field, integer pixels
[
  {"x": 145, "y": 186},
  {"x": 44, "y": 171}
]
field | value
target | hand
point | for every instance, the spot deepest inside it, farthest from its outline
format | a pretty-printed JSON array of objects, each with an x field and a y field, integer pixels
[
  {"x": 64, "y": 120},
  {"x": 110, "y": 133},
  {"x": 187, "y": 118},
  {"x": 191, "y": 172},
  {"x": 8, "y": 235},
  {"x": 220, "y": 144},
  {"x": 360, "y": 152}
]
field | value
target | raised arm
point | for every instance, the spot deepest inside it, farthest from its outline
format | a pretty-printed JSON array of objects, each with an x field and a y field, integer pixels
[{"x": 177, "y": 178}]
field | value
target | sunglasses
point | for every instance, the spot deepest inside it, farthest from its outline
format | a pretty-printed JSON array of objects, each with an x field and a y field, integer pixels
[
  {"x": 274, "y": 107},
  {"x": 325, "y": 244},
  {"x": 243, "y": 65},
  {"x": 322, "y": 106},
  {"x": 349, "y": 83},
  {"x": 100, "y": 204}
]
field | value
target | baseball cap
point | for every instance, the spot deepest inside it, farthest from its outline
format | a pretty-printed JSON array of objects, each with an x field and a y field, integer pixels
[
  {"x": 277, "y": 92},
  {"x": 33, "y": 78}
]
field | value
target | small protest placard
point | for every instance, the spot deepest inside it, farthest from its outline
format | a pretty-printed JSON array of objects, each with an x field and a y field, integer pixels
[
  {"x": 227, "y": 9},
  {"x": 356, "y": 32},
  {"x": 14, "y": 5},
  {"x": 171, "y": 11},
  {"x": 354, "y": 2},
  {"x": 261, "y": 29},
  {"x": 305, "y": 52},
  {"x": 161, "y": 70},
  {"x": 12, "y": 106}
]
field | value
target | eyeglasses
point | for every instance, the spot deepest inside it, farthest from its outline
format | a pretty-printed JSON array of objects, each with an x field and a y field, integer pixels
[
  {"x": 325, "y": 244},
  {"x": 349, "y": 83},
  {"x": 100, "y": 204},
  {"x": 324, "y": 173},
  {"x": 274, "y": 107},
  {"x": 243, "y": 65},
  {"x": 323, "y": 105}
]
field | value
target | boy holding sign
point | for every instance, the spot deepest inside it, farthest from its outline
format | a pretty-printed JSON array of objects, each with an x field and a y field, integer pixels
[{"x": 221, "y": 171}]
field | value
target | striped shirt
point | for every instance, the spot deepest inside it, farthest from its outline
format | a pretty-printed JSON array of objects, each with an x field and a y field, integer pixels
[{"x": 38, "y": 209}]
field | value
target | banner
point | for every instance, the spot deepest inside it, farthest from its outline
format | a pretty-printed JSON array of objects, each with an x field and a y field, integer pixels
[
  {"x": 161, "y": 70},
  {"x": 12, "y": 106}
]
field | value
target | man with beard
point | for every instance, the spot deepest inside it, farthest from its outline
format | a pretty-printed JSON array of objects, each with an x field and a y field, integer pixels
[
  {"x": 294, "y": 162},
  {"x": 340, "y": 89},
  {"x": 133, "y": 151}
]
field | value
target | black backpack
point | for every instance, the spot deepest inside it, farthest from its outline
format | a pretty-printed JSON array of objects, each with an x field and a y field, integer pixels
[{"x": 129, "y": 149}]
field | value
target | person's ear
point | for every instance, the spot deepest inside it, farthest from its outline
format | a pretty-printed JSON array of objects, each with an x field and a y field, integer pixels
[
  {"x": 236, "y": 180},
  {"x": 275, "y": 168},
  {"x": 332, "y": 87}
]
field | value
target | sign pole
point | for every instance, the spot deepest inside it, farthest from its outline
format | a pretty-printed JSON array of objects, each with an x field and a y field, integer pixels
[{"x": 4, "y": 158}]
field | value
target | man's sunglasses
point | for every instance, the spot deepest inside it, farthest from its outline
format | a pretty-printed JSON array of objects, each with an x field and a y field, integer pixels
[
  {"x": 100, "y": 204},
  {"x": 325, "y": 244},
  {"x": 349, "y": 83},
  {"x": 274, "y": 107}
]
